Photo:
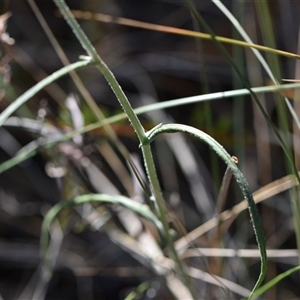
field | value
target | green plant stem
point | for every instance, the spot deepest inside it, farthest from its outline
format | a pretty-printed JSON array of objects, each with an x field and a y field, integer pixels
[
  {"x": 141, "y": 134},
  {"x": 161, "y": 208},
  {"x": 144, "y": 286},
  {"x": 240, "y": 179},
  {"x": 274, "y": 281}
]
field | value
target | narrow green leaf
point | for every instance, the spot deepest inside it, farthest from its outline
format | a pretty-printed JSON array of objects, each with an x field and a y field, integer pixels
[
  {"x": 39, "y": 86},
  {"x": 239, "y": 177},
  {"x": 143, "y": 109}
]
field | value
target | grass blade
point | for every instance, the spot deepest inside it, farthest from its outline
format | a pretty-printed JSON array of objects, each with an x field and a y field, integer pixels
[
  {"x": 39, "y": 86},
  {"x": 240, "y": 179},
  {"x": 140, "y": 110},
  {"x": 141, "y": 209},
  {"x": 274, "y": 281}
]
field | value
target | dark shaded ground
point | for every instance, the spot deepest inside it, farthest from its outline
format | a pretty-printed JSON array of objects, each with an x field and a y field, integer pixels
[{"x": 160, "y": 66}]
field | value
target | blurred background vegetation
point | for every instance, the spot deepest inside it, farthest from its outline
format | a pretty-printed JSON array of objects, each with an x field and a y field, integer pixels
[{"x": 94, "y": 258}]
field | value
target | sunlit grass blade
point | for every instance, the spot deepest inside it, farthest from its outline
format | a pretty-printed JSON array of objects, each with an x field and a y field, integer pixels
[
  {"x": 143, "y": 287},
  {"x": 39, "y": 86},
  {"x": 27, "y": 153}
]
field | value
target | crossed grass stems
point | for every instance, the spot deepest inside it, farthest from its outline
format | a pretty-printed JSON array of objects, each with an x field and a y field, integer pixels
[{"x": 156, "y": 211}]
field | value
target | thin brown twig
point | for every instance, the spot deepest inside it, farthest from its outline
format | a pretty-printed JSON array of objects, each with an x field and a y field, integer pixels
[
  {"x": 86, "y": 15},
  {"x": 271, "y": 189}
]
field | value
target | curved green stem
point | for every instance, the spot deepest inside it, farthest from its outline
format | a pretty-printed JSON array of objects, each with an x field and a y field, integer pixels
[
  {"x": 240, "y": 179},
  {"x": 141, "y": 209},
  {"x": 147, "y": 156},
  {"x": 274, "y": 281}
]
